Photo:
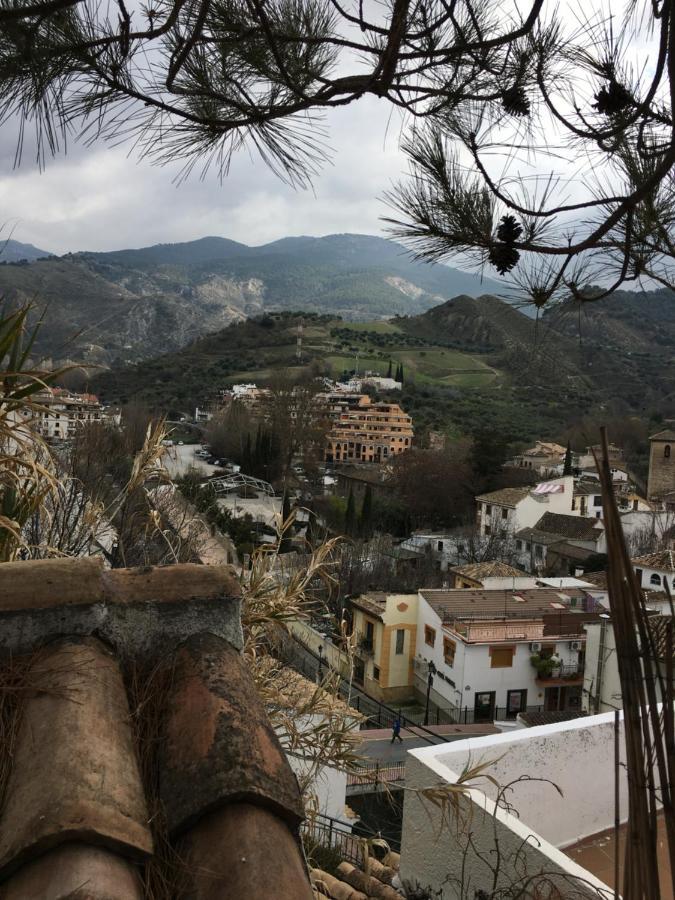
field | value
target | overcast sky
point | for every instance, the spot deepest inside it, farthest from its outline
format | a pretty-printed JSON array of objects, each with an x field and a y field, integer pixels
[{"x": 100, "y": 198}]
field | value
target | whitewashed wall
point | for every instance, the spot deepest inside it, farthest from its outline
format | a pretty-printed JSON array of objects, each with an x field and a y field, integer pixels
[{"x": 576, "y": 756}]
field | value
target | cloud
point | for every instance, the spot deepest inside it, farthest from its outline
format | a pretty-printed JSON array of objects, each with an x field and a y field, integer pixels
[{"x": 102, "y": 198}]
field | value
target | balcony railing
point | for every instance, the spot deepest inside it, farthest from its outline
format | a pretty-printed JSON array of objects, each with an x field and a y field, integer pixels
[{"x": 562, "y": 671}]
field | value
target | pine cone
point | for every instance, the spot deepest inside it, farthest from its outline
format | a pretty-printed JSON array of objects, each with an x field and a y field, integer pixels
[
  {"x": 515, "y": 101},
  {"x": 503, "y": 257},
  {"x": 612, "y": 100},
  {"x": 509, "y": 230}
]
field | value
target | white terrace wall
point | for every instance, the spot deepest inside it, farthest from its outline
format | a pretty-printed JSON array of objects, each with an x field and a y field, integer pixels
[{"x": 575, "y": 756}]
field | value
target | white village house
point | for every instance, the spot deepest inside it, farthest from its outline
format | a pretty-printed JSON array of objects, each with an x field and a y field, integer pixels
[
  {"x": 509, "y": 509},
  {"x": 479, "y": 646}
]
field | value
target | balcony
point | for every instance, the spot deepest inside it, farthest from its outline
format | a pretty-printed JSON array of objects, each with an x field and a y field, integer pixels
[
  {"x": 364, "y": 646},
  {"x": 550, "y": 674}
]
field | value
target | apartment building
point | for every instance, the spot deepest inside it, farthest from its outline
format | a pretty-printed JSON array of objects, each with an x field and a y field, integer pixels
[
  {"x": 58, "y": 413},
  {"x": 494, "y": 653},
  {"x": 365, "y": 431}
]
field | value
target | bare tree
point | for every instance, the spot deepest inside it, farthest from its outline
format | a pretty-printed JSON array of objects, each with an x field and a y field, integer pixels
[{"x": 198, "y": 79}]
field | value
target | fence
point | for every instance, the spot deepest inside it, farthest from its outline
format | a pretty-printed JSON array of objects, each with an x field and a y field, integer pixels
[
  {"x": 324, "y": 831},
  {"x": 376, "y": 773}
]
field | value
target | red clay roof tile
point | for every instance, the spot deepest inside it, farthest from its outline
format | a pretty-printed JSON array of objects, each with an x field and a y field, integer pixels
[
  {"x": 243, "y": 851},
  {"x": 74, "y": 813},
  {"x": 48, "y": 583},
  {"x": 78, "y": 872},
  {"x": 75, "y": 775},
  {"x": 220, "y": 746}
]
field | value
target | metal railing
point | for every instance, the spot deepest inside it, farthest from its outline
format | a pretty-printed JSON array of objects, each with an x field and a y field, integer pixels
[
  {"x": 324, "y": 831},
  {"x": 562, "y": 671},
  {"x": 377, "y": 773}
]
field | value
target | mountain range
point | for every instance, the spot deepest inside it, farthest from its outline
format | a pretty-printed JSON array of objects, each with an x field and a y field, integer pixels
[
  {"x": 123, "y": 306},
  {"x": 14, "y": 251}
]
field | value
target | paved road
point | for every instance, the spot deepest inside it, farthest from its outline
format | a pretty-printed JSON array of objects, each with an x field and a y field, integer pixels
[
  {"x": 376, "y": 744},
  {"x": 387, "y": 753}
]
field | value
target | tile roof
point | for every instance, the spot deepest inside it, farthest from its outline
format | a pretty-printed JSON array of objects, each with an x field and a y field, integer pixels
[
  {"x": 598, "y": 579},
  {"x": 498, "y": 603},
  {"x": 509, "y": 496},
  {"x": 493, "y": 568},
  {"x": 666, "y": 435},
  {"x": 662, "y": 559},
  {"x": 374, "y": 603},
  {"x": 571, "y": 551},
  {"x": 586, "y": 488},
  {"x": 537, "y": 537},
  {"x": 372, "y": 880},
  {"x": 580, "y": 528},
  {"x": 129, "y": 760}
]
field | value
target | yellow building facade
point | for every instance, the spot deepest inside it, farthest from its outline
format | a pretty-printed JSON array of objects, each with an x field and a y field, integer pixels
[{"x": 385, "y": 628}]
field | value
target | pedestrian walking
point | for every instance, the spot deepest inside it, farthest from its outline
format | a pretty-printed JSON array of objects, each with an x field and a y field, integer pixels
[{"x": 396, "y": 731}]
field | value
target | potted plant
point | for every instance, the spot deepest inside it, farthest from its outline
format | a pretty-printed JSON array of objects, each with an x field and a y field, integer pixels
[{"x": 544, "y": 665}]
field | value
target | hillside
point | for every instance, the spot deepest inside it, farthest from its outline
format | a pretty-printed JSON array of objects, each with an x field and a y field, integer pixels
[
  {"x": 254, "y": 349},
  {"x": 470, "y": 363},
  {"x": 453, "y": 380},
  {"x": 120, "y": 307},
  {"x": 13, "y": 251}
]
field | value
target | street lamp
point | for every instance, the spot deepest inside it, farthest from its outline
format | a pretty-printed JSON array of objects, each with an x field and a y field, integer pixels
[{"x": 430, "y": 681}]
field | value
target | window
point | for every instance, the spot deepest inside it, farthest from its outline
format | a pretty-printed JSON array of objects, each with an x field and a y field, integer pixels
[
  {"x": 574, "y": 502},
  {"x": 376, "y": 673},
  {"x": 501, "y": 657},
  {"x": 449, "y": 648},
  {"x": 538, "y": 551},
  {"x": 666, "y": 451},
  {"x": 400, "y": 640},
  {"x": 487, "y": 529},
  {"x": 440, "y": 546},
  {"x": 429, "y": 636},
  {"x": 655, "y": 579},
  {"x": 488, "y": 509},
  {"x": 519, "y": 545},
  {"x": 505, "y": 513},
  {"x": 597, "y": 501}
]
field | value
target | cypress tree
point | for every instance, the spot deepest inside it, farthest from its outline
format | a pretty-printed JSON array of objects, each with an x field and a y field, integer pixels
[
  {"x": 366, "y": 519},
  {"x": 350, "y": 515},
  {"x": 389, "y": 370},
  {"x": 401, "y": 375},
  {"x": 247, "y": 460},
  {"x": 567, "y": 465}
]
